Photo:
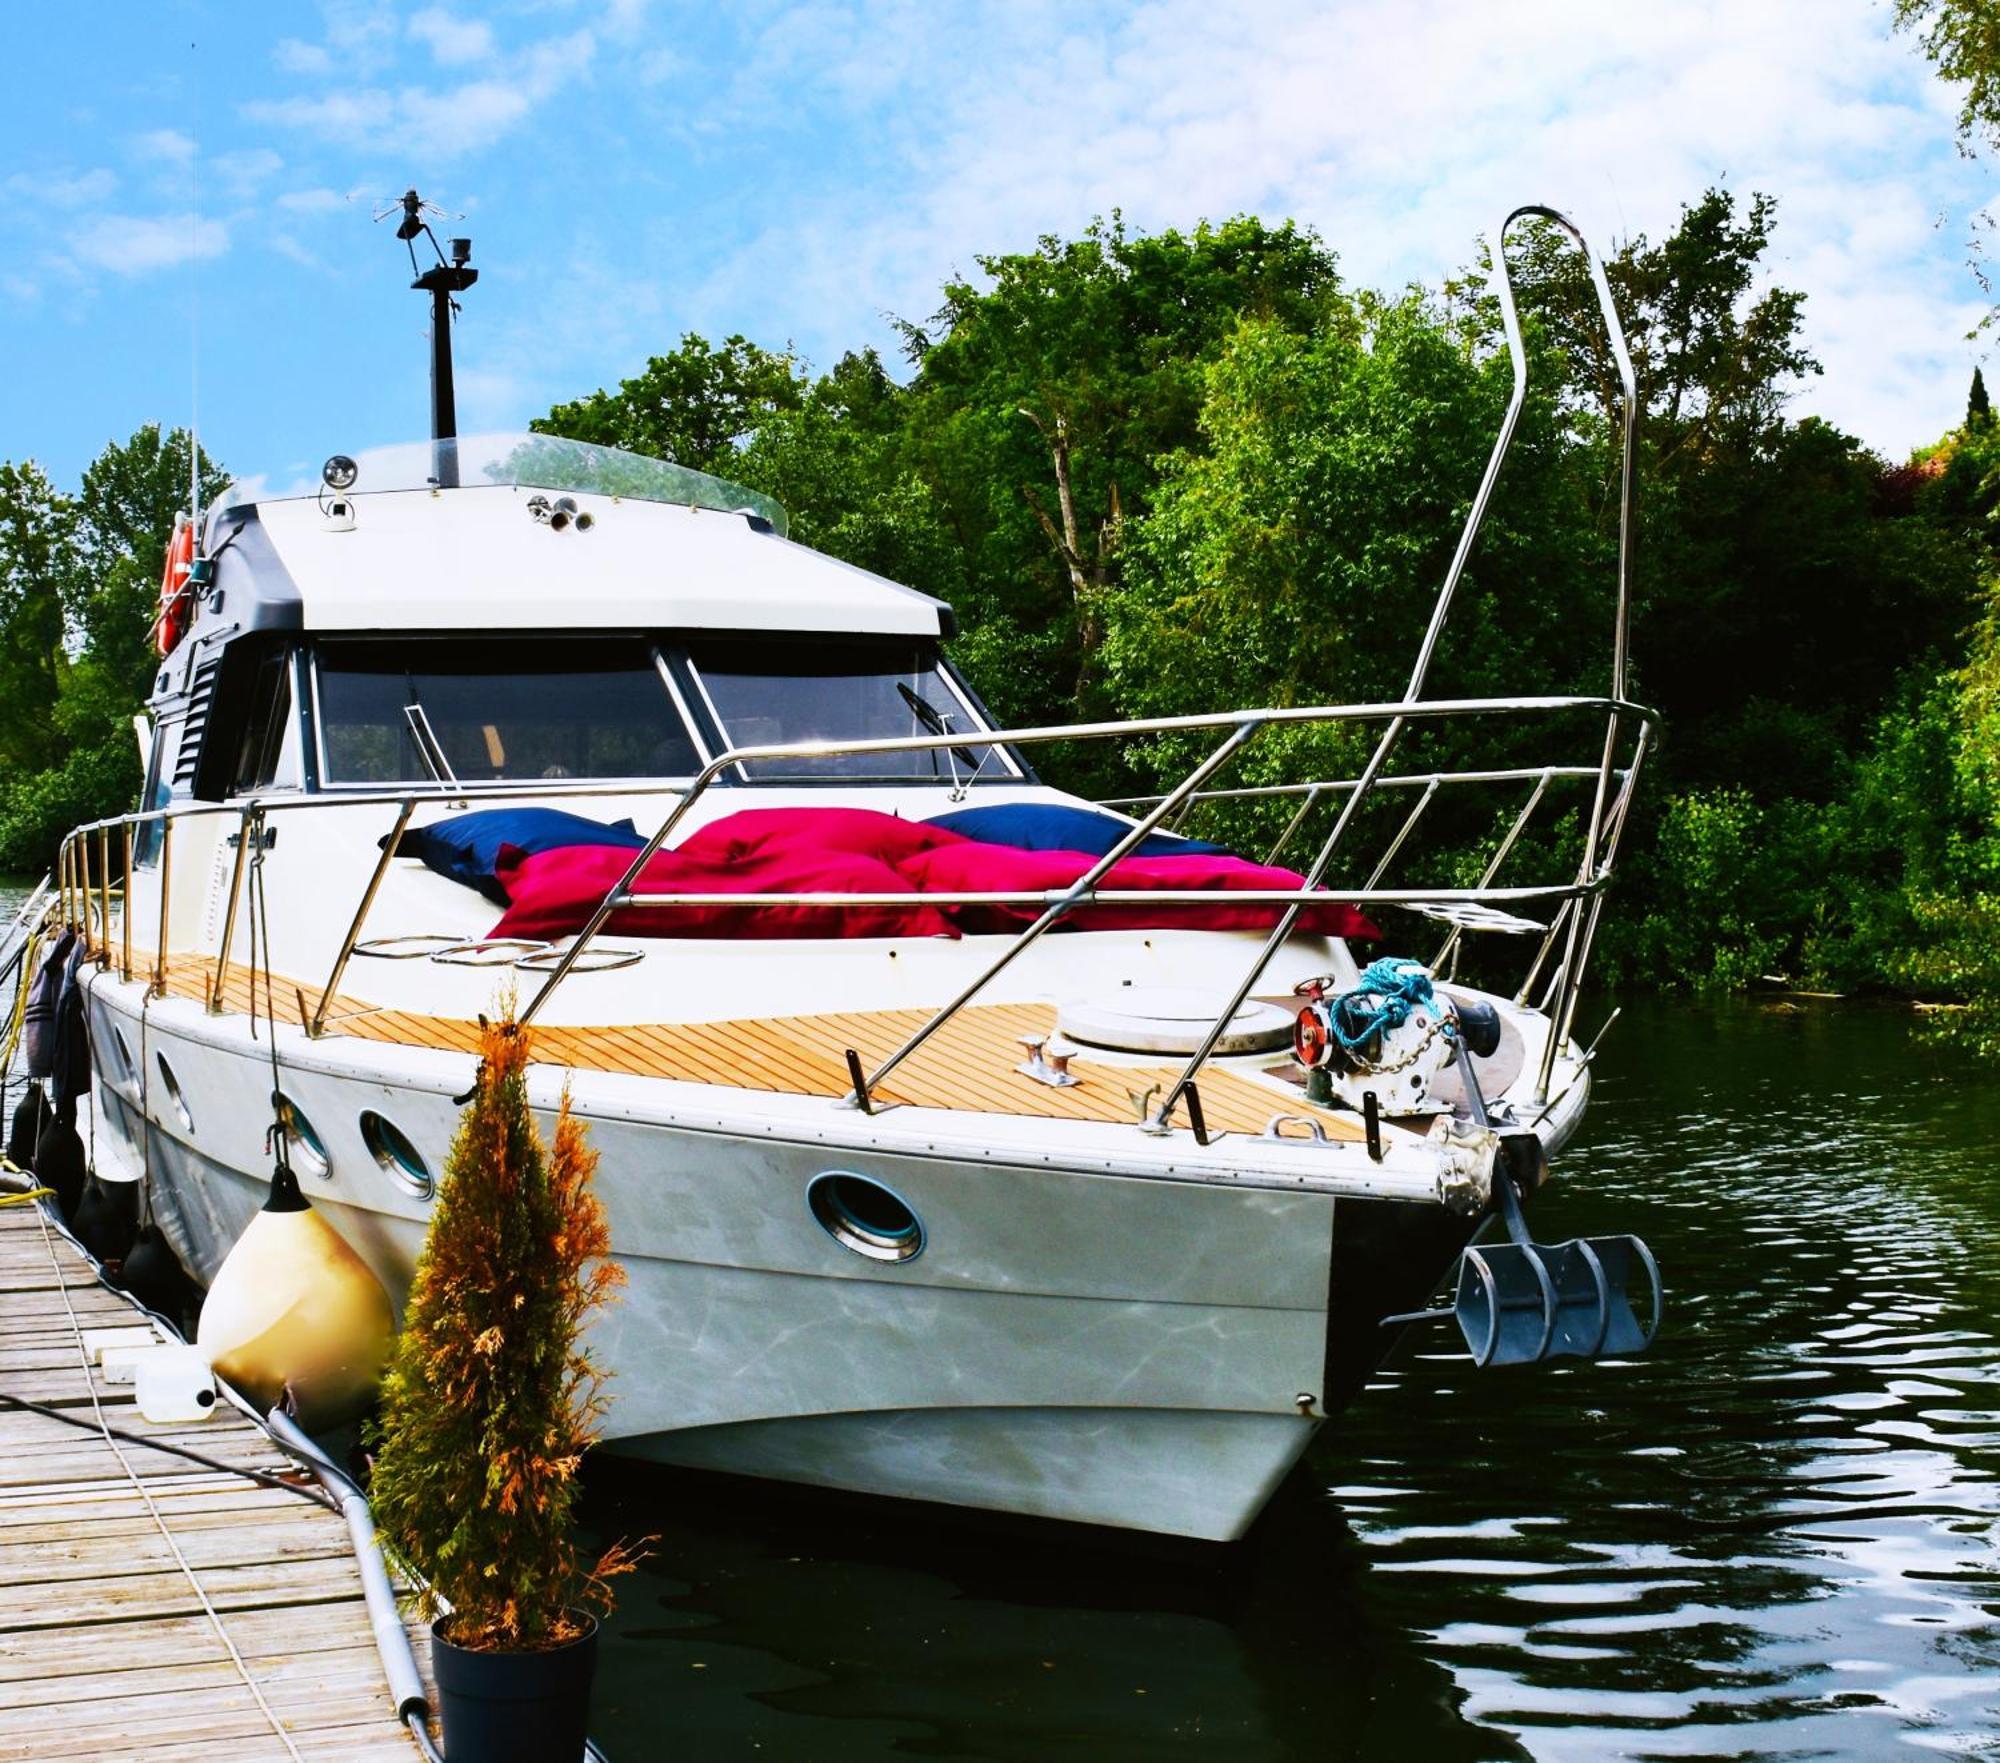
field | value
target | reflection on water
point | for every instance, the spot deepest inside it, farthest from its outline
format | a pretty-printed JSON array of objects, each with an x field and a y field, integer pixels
[{"x": 1771, "y": 1538}]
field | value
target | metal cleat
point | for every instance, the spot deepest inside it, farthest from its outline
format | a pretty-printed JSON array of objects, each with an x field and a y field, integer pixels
[{"x": 1048, "y": 1061}]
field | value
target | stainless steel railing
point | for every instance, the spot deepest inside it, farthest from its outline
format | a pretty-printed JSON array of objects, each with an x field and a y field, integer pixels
[{"x": 1578, "y": 901}]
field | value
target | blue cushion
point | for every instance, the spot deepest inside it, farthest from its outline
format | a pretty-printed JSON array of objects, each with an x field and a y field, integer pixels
[
  {"x": 1057, "y": 826},
  {"x": 466, "y": 847}
]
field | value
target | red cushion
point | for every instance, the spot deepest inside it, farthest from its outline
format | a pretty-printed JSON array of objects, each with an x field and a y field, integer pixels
[
  {"x": 968, "y": 867},
  {"x": 864, "y": 832},
  {"x": 859, "y": 851},
  {"x": 553, "y": 893}
]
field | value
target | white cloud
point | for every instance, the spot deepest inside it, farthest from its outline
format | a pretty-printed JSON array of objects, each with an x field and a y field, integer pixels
[
  {"x": 286, "y": 246},
  {"x": 164, "y": 147},
  {"x": 246, "y": 170},
  {"x": 452, "y": 41},
  {"x": 293, "y": 56},
  {"x": 418, "y": 123},
  {"x": 84, "y": 189},
  {"x": 949, "y": 133},
  {"x": 133, "y": 245},
  {"x": 319, "y": 201}
]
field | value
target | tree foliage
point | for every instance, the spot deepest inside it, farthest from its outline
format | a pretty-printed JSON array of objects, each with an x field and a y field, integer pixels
[
  {"x": 1962, "y": 39},
  {"x": 490, "y": 1400}
]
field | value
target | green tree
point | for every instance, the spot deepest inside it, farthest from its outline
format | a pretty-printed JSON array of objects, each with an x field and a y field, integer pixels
[
  {"x": 1978, "y": 406},
  {"x": 1962, "y": 39},
  {"x": 696, "y": 406},
  {"x": 1045, "y": 399},
  {"x": 79, "y": 586},
  {"x": 38, "y": 572}
]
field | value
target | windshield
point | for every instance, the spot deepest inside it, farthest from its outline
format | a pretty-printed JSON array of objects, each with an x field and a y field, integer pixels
[
  {"x": 775, "y": 693},
  {"x": 497, "y": 711},
  {"x": 542, "y": 462}
]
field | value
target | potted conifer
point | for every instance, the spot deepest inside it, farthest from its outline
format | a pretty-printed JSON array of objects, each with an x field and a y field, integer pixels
[{"x": 488, "y": 1406}]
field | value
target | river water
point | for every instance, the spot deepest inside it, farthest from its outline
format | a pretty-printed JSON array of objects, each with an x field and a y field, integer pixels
[{"x": 1773, "y": 1537}]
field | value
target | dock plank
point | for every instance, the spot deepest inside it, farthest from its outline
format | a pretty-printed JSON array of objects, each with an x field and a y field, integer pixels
[{"x": 106, "y": 1649}]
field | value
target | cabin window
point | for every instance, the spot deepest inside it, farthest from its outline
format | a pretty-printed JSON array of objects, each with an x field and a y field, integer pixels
[
  {"x": 503, "y": 710},
  {"x": 264, "y": 726},
  {"x": 779, "y": 693},
  {"x": 156, "y": 795}
]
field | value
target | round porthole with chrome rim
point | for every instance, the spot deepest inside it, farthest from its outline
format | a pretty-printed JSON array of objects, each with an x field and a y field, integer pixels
[
  {"x": 172, "y": 1085},
  {"x": 303, "y": 1140},
  {"x": 390, "y": 1146},
  {"x": 859, "y": 1213}
]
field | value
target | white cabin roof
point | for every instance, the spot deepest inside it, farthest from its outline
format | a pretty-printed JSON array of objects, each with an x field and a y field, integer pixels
[{"x": 478, "y": 558}]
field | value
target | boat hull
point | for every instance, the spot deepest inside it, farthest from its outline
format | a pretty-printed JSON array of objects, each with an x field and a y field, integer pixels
[{"x": 1071, "y": 1343}]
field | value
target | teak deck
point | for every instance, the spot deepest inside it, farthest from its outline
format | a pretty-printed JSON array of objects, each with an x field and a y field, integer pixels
[
  {"x": 106, "y": 1653},
  {"x": 968, "y": 1066}
]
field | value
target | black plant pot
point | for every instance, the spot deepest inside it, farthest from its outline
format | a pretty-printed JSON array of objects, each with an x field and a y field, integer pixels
[{"x": 514, "y": 1707}]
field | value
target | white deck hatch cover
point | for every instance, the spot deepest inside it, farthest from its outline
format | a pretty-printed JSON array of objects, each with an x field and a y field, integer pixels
[{"x": 1172, "y": 1019}]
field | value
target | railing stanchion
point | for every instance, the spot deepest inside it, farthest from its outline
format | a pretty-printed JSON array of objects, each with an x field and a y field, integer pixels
[
  {"x": 317, "y": 1026},
  {"x": 1499, "y": 857},
  {"x": 125, "y": 913},
  {"x": 1403, "y": 832},
  {"x": 1286, "y": 920},
  {"x": 159, "y": 987},
  {"x": 1291, "y": 826},
  {"x": 243, "y": 837},
  {"x": 83, "y": 889},
  {"x": 1073, "y": 896},
  {"x": 104, "y": 896}
]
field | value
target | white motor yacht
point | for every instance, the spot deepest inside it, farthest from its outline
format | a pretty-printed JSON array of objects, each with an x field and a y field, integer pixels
[{"x": 962, "y": 1139}]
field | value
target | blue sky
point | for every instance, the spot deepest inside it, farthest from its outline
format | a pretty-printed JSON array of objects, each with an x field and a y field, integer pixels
[{"x": 632, "y": 170}]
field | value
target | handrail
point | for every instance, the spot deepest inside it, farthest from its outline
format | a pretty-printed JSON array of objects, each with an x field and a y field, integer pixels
[
  {"x": 1436, "y": 709},
  {"x": 1577, "y": 946},
  {"x": 1402, "y": 780},
  {"x": 1240, "y": 726}
]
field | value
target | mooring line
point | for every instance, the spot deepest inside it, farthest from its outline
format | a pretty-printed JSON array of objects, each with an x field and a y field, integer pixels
[{"x": 159, "y": 1518}]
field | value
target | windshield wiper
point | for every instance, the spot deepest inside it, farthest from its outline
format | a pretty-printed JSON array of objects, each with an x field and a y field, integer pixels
[
  {"x": 429, "y": 749},
  {"x": 935, "y": 722}
]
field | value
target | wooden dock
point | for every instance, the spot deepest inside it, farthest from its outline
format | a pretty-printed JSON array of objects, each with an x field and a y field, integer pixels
[{"x": 151, "y": 1608}]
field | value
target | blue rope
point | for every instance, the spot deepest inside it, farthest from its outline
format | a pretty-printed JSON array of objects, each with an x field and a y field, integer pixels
[{"x": 1396, "y": 985}]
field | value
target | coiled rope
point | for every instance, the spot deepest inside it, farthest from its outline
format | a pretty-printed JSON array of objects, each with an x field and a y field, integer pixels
[{"x": 1389, "y": 990}]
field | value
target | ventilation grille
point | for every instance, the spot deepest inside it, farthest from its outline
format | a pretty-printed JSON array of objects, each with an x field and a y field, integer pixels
[{"x": 196, "y": 723}]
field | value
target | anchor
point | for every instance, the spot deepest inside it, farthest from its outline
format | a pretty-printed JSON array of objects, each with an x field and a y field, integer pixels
[{"x": 1522, "y": 1302}]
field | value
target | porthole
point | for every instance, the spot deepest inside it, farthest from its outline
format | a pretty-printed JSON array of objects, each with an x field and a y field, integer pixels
[
  {"x": 172, "y": 1085},
  {"x": 128, "y": 1067},
  {"x": 303, "y": 1142},
  {"x": 862, "y": 1215},
  {"x": 390, "y": 1146}
]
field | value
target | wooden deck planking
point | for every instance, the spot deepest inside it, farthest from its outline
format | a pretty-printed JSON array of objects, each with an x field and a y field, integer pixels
[
  {"x": 106, "y": 1650},
  {"x": 967, "y": 1066}
]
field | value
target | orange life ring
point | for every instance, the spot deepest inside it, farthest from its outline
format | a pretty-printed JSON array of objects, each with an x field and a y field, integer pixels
[{"x": 176, "y": 601}]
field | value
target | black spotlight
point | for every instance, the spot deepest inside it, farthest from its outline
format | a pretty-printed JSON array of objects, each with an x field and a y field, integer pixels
[{"x": 339, "y": 472}]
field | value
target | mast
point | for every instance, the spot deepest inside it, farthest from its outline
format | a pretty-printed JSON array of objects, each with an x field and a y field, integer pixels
[{"x": 442, "y": 281}]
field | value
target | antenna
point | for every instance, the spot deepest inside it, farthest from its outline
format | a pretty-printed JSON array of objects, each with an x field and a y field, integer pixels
[
  {"x": 441, "y": 282},
  {"x": 194, "y": 305}
]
